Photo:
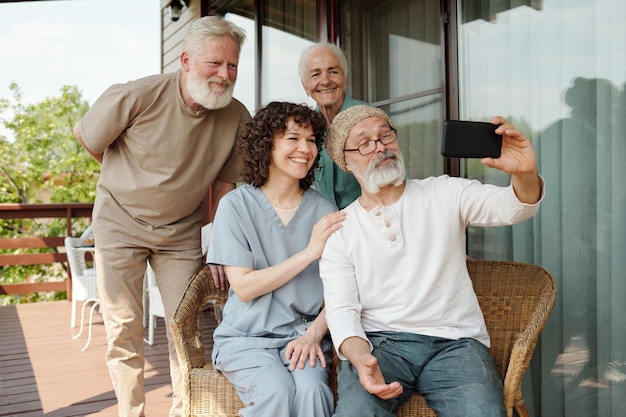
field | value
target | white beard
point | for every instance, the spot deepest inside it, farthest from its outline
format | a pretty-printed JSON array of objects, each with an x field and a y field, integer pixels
[
  {"x": 375, "y": 177},
  {"x": 200, "y": 91}
]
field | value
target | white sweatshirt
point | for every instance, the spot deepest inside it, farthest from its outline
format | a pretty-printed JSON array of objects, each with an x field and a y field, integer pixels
[{"x": 403, "y": 267}]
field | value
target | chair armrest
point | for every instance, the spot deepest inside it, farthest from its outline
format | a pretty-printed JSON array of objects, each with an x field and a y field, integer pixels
[{"x": 212, "y": 394}]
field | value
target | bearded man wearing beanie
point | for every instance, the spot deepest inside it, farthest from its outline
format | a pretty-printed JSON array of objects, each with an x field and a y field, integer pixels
[{"x": 400, "y": 304}]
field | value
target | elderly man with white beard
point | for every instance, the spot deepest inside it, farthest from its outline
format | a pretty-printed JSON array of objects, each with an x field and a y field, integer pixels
[
  {"x": 163, "y": 140},
  {"x": 400, "y": 304}
]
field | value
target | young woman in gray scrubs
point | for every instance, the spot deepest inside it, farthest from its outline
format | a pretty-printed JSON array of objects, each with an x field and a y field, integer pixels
[{"x": 269, "y": 236}]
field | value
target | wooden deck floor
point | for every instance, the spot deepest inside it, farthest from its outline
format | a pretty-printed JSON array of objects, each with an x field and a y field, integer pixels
[{"x": 43, "y": 371}]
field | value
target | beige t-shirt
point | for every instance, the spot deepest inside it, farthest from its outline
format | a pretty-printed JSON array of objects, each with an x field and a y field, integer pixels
[{"x": 160, "y": 157}]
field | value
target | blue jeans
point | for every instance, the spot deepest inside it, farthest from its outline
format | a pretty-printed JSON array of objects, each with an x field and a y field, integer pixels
[{"x": 457, "y": 377}]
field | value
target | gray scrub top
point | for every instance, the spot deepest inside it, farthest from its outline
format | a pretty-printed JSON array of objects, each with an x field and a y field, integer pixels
[{"x": 247, "y": 232}]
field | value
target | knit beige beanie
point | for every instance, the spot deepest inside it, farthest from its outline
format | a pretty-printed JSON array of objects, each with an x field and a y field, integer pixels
[{"x": 341, "y": 126}]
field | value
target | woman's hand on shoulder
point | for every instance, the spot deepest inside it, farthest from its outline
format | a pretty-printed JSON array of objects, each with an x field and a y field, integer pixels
[{"x": 325, "y": 227}]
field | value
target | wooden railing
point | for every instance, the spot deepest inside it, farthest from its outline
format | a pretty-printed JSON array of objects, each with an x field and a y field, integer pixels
[{"x": 69, "y": 212}]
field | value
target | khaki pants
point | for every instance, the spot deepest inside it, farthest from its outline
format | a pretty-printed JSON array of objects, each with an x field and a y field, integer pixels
[{"x": 120, "y": 269}]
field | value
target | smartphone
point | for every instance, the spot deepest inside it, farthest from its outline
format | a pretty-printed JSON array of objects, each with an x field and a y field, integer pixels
[{"x": 464, "y": 139}]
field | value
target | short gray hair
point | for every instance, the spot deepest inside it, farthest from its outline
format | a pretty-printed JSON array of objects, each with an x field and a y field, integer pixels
[
  {"x": 335, "y": 49},
  {"x": 208, "y": 26}
]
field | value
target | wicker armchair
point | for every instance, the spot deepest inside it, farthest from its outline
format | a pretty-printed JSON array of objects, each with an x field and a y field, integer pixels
[{"x": 516, "y": 300}]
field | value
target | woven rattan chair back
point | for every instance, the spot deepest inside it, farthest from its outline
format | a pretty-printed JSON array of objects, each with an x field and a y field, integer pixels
[
  {"x": 516, "y": 300},
  {"x": 206, "y": 391}
]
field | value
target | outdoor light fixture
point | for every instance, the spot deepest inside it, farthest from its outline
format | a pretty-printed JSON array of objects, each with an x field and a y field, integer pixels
[{"x": 176, "y": 8}]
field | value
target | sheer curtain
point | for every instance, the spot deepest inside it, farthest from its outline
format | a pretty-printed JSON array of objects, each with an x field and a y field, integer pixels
[{"x": 557, "y": 70}]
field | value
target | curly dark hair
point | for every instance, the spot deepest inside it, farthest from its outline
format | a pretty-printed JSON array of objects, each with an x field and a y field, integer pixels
[{"x": 255, "y": 140}]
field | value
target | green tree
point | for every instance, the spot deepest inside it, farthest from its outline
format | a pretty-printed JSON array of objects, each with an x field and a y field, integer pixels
[{"x": 42, "y": 163}]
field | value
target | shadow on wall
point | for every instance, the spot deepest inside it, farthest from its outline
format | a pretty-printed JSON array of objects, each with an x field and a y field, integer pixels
[{"x": 582, "y": 160}]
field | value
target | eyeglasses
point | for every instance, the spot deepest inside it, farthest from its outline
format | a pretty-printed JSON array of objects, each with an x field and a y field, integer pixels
[{"x": 368, "y": 147}]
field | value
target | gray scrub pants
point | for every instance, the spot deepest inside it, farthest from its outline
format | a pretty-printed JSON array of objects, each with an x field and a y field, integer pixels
[{"x": 263, "y": 380}]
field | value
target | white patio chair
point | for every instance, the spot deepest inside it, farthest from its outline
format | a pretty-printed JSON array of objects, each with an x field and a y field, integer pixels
[
  {"x": 87, "y": 238},
  {"x": 84, "y": 282},
  {"x": 83, "y": 278},
  {"x": 154, "y": 303}
]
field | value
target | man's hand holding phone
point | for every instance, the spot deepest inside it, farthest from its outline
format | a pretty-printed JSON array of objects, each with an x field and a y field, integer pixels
[{"x": 499, "y": 145}]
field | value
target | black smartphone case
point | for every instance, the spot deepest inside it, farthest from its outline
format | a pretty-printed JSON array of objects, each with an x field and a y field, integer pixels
[{"x": 464, "y": 139}]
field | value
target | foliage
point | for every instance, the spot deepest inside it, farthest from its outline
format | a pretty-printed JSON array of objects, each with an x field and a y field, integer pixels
[{"x": 42, "y": 162}]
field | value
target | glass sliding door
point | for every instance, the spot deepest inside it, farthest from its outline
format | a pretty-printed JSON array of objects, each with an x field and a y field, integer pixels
[
  {"x": 278, "y": 31},
  {"x": 395, "y": 48},
  {"x": 245, "y": 87},
  {"x": 288, "y": 26},
  {"x": 557, "y": 69}
]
